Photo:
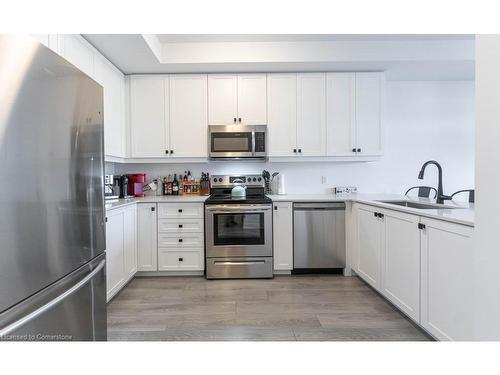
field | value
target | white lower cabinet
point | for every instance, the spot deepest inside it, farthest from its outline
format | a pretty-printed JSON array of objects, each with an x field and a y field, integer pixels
[
  {"x": 369, "y": 241},
  {"x": 420, "y": 265},
  {"x": 181, "y": 239},
  {"x": 283, "y": 236},
  {"x": 121, "y": 248},
  {"x": 446, "y": 289},
  {"x": 147, "y": 249},
  {"x": 401, "y": 262}
]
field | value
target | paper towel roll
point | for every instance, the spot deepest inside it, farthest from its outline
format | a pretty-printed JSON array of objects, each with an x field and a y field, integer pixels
[{"x": 281, "y": 184}]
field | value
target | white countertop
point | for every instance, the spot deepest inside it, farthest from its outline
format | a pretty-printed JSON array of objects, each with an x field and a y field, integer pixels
[
  {"x": 464, "y": 214},
  {"x": 116, "y": 203}
]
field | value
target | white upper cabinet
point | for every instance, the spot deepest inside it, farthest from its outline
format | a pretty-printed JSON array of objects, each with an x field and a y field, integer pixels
[
  {"x": 237, "y": 99},
  {"x": 188, "y": 115},
  {"x": 222, "y": 99},
  {"x": 252, "y": 106},
  {"x": 113, "y": 83},
  {"x": 340, "y": 114},
  {"x": 282, "y": 113},
  {"x": 369, "y": 113},
  {"x": 149, "y": 116},
  {"x": 311, "y": 114},
  {"x": 77, "y": 51}
]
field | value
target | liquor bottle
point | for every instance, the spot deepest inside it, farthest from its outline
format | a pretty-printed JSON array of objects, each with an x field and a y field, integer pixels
[
  {"x": 169, "y": 185},
  {"x": 175, "y": 185},
  {"x": 165, "y": 185}
]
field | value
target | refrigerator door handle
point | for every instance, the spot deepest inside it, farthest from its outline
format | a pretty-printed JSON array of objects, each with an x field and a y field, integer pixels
[{"x": 61, "y": 297}]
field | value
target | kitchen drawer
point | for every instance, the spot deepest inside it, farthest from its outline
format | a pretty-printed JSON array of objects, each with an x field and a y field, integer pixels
[
  {"x": 181, "y": 225},
  {"x": 180, "y": 240},
  {"x": 180, "y": 210},
  {"x": 187, "y": 260}
]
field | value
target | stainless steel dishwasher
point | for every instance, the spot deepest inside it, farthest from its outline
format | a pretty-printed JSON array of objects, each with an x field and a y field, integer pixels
[{"x": 318, "y": 237}]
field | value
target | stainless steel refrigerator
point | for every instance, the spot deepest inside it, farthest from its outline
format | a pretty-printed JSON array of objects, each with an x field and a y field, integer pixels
[{"x": 52, "y": 228}]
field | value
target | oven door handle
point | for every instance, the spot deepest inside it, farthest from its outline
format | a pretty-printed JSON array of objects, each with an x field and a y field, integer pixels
[
  {"x": 236, "y": 209},
  {"x": 238, "y": 263}
]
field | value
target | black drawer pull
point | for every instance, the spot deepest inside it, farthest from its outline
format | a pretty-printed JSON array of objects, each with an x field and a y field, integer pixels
[
  {"x": 180, "y": 239},
  {"x": 181, "y": 259},
  {"x": 180, "y": 210},
  {"x": 180, "y": 225},
  {"x": 152, "y": 208}
]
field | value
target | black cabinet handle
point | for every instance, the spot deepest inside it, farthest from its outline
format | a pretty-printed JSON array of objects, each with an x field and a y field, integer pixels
[
  {"x": 166, "y": 152},
  {"x": 380, "y": 215},
  {"x": 375, "y": 214},
  {"x": 181, "y": 259},
  {"x": 421, "y": 226},
  {"x": 171, "y": 151},
  {"x": 106, "y": 219},
  {"x": 234, "y": 119},
  {"x": 276, "y": 208},
  {"x": 353, "y": 150},
  {"x": 358, "y": 150},
  {"x": 239, "y": 120},
  {"x": 300, "y": 150},
  {"x": 180, "y": 210},
  {"x": 180, "y": 225},
  {"x": 294, "y": 150},
  {"x": 152, "y": 208},
  {"x": 180, "y": 239}
]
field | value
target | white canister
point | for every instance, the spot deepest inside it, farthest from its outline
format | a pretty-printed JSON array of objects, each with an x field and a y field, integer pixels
[{"x": 281, "y": 184}]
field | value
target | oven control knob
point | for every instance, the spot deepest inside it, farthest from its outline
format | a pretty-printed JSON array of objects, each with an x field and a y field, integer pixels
[
  {"x": 215, "y": 180},
  {"x": 220, "y": 179},
  {"x": 254, "y": 179},
  {"x": 259, "y": 179}
]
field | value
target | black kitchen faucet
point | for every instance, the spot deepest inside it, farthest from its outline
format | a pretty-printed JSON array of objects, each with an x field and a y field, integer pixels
[{"x": 440, "y": 196}]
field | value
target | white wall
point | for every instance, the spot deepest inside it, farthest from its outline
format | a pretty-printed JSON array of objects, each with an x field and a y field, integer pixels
[
  {"x": 486, "y": 275},
  {"x": 424, "y": 120}
]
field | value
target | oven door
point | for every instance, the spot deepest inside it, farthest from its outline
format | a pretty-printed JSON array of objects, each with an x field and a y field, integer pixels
[{"x": 239, "y": 230}]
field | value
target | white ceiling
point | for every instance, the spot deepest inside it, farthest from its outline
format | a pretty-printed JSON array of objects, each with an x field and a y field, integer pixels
[
  {"x": 402, "y": 57},
  {"x": 220, "y": 38}
]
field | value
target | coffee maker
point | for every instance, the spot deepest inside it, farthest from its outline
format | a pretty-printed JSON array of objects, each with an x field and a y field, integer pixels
[
  {"x": 136, "y": 180},
  {"x": 123, "y": 183}
]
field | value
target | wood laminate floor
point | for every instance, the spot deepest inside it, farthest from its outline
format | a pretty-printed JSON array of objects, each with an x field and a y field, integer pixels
[{"x": 286, "y": 308}]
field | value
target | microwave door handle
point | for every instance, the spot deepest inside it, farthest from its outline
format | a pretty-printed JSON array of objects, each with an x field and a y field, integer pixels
[{"x": 253, "y": 142}]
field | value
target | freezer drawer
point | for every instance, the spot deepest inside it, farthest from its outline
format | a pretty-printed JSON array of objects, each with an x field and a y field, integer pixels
[
  {"x": 239, "y": 268},
  {"x": 72, "y": 309},
  {"x": 319, "y": 235}
]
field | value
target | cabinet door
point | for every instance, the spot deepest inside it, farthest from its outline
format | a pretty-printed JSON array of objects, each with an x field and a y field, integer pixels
[
  {"x": 369, "y": 239},
  {"x": 115, "y": 252},
  {"x": 340, "y": 116},
  {"x": 368, "y": 113},
  {"x": 282, "y": 114},
  {"x": 252, "y": 107},
  {"x": 446, "y": 289},
  {"x": 78, "y": 52},
  {"x": 222, "y": 99},
  {"x": 401, "y": 262},
  {"x": 188, "y": 115},
  {"x": 113, "y": 83},
  {"x": 311, "y": 114},
  {"x": 147, "y": 249},
  {"x": 283, "y": 235},
  {"x": 149, "y": 116},
  {"x": 130, "y": 242}
]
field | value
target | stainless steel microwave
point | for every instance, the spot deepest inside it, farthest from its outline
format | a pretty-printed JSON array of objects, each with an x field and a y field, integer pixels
[{"x": 237, "y": 142}]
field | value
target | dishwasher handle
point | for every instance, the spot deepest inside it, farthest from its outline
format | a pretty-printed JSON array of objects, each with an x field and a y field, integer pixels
[{"x": 327, "y": 206}]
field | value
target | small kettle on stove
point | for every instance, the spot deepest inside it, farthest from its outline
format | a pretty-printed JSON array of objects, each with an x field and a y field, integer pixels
[{"x": 239, "y": 191}]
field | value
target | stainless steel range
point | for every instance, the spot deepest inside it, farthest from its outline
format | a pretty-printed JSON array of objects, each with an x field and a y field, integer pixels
[{"x": 239, "y": 236}]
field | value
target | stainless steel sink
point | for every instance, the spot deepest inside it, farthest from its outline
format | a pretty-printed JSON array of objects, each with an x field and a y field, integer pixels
[{"x": 421, "y": 206}]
